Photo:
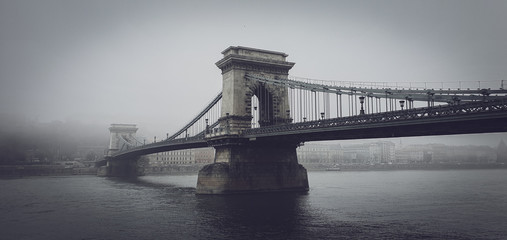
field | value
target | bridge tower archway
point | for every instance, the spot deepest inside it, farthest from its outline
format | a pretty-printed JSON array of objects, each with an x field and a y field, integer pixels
[{"x": 265, "y": 105}]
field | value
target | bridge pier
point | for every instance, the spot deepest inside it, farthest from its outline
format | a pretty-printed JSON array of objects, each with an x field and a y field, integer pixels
[
  {"x": 122, "y": 168},
  {"x": 253, "y": 167}
]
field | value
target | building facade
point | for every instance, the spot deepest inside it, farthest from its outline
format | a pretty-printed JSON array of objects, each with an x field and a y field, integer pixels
[{"x": 184, "y": 157}]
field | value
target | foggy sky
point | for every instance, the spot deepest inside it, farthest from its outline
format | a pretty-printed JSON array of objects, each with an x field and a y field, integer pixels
[{"x": 152, "y": 62}]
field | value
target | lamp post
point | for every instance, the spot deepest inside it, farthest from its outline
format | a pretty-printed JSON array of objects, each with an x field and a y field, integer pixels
[
  {"x": 361, "y": 100},
  {"x": 206, "y": 120},
  {"x": 402, "y": 104},
  {"x": 322, "y": 115}
]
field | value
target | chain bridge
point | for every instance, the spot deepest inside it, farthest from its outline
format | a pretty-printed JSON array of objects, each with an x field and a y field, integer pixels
[{"x": 262, "y": 115}]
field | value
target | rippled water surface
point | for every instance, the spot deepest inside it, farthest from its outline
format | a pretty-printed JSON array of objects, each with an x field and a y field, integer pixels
[{"x": 453, "y": 204}]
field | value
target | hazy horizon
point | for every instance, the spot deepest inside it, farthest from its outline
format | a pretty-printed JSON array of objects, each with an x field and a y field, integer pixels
[{"x": 152, "y": 63}]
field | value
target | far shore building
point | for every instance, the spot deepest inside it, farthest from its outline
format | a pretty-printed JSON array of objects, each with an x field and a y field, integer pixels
[
  {"x": 501, "y": 152},
  {"x": 316, "y": 155},
  {"x": 186, "y": 157},
  {"x": 413, "y": 154},
  {"x": 462, "y": 154}
]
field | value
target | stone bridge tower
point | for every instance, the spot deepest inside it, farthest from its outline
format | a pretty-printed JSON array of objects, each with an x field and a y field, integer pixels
[
  {"x": 237, "y": 91},
  {"x": 251, "y": 165},
  {"x": 119, "y": 135}
]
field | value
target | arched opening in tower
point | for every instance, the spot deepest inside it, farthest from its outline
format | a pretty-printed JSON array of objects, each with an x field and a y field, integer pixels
[{"x": 262, "y": 107}]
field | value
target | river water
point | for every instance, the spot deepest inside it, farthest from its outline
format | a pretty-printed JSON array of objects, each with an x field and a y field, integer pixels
[{"x": 443, "y": 204}]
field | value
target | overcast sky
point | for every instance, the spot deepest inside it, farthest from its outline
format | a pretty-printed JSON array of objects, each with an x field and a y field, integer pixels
[{"x": 152, "y": 63}]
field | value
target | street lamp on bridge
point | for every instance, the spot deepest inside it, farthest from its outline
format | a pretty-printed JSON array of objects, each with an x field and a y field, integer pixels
[
  {"x": 402, "y": 104},
  {"x": 361, "y": 100}
]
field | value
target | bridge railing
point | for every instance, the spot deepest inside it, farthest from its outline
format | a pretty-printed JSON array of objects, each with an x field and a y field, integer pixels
[
  {"x": 499, "y": 105},
  {"x": 165, "y": 143},
  {"x": 314, "y": 100}
]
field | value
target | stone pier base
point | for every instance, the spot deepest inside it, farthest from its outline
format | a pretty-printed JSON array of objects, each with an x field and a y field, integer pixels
[
  {"x": 222, "y": 178},
  {"x": 122, "y": 168},
  {"x": 265, "y": 168}
]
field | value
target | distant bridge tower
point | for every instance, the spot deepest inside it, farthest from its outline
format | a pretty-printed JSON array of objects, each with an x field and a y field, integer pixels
[
  {"x": 246, "y": 165},
  {"x": 120, "y": 135}
]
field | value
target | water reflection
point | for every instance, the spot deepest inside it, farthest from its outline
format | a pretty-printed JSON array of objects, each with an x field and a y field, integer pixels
[
  {"x": 243, "y": 216},
  {"x": 349, "y": 205},
  {"x": 269, "y": 215}
]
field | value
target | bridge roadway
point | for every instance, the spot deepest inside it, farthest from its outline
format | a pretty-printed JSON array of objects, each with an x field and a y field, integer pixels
[{"x": 466, "y": 118}]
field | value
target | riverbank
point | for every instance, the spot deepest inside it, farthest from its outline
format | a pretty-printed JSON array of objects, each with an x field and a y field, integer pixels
[
  {"x": 386, "y": 167},
  {"x": 194, "y": 169},
  {"x": 16, "y": 171}
]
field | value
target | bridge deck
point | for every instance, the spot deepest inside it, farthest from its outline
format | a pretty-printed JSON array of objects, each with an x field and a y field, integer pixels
[{"x": 472, "y": 117}]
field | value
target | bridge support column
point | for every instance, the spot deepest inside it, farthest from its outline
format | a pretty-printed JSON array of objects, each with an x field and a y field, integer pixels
[
  {"x": 122, "y": 168},
  {"x": 259, "y": 167}
]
